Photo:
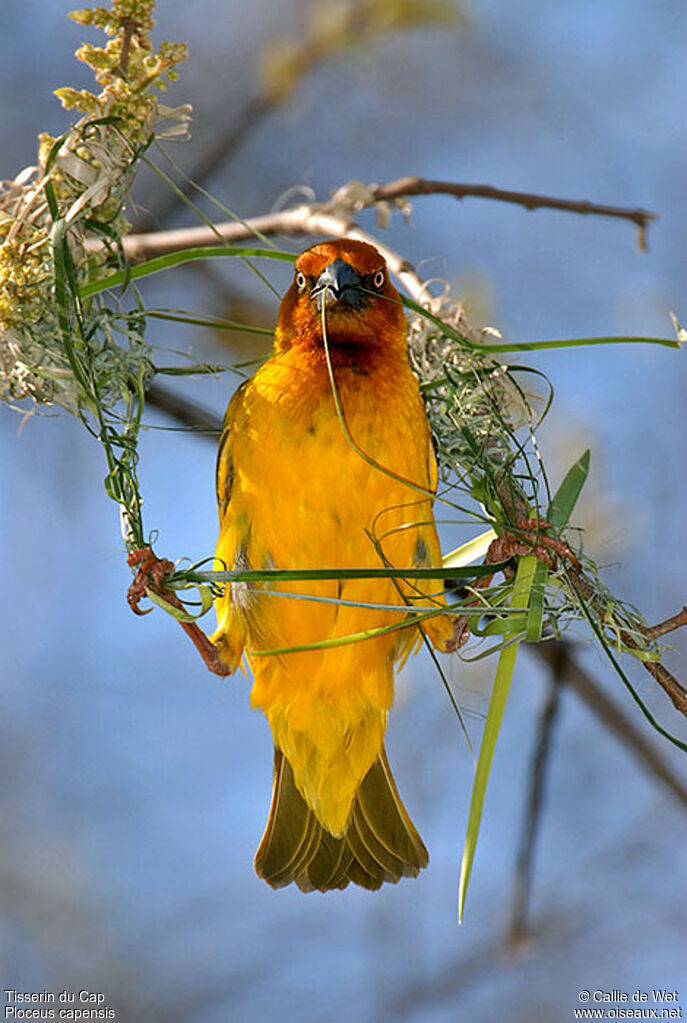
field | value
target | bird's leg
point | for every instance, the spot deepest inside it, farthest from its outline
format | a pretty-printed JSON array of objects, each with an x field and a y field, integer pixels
[{"x": 151, "y": 572}]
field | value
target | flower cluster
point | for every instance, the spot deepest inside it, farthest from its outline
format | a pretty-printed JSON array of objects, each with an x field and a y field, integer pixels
[
  {"x": 77, "y": 189},
  {"x": 127, "y": 68}
]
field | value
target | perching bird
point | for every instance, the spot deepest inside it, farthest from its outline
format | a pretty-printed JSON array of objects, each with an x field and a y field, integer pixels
[{"x": 330, "y": 467}]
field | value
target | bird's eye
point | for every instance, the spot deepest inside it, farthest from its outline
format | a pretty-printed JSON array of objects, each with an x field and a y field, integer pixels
[
  {"x": 378, "y": 279},
  {"x": 300, "y": 280}
]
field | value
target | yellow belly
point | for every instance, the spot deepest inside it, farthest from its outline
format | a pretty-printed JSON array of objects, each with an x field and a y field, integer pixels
[{"x": 303, "y": 496}]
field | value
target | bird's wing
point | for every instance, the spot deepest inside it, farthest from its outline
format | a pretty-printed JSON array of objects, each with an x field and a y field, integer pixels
[
  {"x": 224, "y": 471},
  {"x": 230, "y": 635}
]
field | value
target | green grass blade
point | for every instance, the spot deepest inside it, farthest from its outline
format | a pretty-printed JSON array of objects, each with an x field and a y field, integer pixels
[
  {"x": 502, "y": 625},
  {"x": 579, "y": 342},
  {"x": 565, "y": 498},
  {"x": 494, "y": 345},
  {"x": 279, "y": 575},
  {"x": 214, "y": 323},
  {"x": 504, "y": 673},
  {"x": 415, "y": 617},
  {"x": 160, "y": 263}
]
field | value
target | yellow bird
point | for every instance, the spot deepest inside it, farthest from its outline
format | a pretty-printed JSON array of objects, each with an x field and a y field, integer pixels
[{"x": 330, "y": 465}]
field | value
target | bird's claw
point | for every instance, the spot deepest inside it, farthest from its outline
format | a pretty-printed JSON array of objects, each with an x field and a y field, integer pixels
[{"x": 150, "y": 575}]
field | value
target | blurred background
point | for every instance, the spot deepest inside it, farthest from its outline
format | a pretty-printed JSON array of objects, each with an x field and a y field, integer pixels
[{"x": 134, "y": 785}]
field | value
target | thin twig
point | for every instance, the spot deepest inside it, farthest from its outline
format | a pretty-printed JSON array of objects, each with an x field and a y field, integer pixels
[
  {"x": 128, "y": 26},
  {"x": 667, "y": 681},
  {"x": 669, "y": 625},
  {"x": 407, "y": 186}
]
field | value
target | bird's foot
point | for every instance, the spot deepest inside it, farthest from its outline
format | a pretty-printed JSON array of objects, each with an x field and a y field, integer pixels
[{"x": 151, "y": 573}]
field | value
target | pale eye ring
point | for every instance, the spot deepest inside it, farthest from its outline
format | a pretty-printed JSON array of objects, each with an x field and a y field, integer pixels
[
  {"x": 300, "y": 280},
  {"x": 378, "y": 279}
]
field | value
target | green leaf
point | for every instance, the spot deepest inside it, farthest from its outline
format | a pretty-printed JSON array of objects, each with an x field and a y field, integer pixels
[
  {"x": 567, "y": 494},
  {"x": 504, "y": 673}
]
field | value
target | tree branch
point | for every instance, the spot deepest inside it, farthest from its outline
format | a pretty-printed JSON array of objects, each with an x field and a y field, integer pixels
[
  {"x": 335, "y": 217},
  {"x": 669, "y": 625},
  {"x": 667, "y": 681}
]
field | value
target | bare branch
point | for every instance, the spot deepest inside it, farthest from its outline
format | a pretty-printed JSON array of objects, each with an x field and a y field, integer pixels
[
  {"x": 668, "y": 683},
  {"x": 322, "y": 218},
  {"x": 423, "y": 186}
]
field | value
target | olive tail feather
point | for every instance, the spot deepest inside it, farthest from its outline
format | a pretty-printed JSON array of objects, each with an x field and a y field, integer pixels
[{"x": 380, "y": 843}]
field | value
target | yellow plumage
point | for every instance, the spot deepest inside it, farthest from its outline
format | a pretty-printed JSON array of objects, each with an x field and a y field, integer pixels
[{"x": 295, "y": 493}]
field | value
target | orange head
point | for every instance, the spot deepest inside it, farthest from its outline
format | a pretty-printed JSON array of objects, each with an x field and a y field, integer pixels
[{"x": 350, "y": 280}]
